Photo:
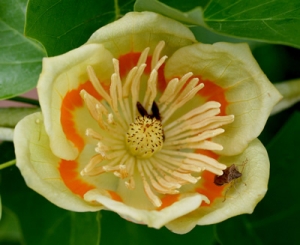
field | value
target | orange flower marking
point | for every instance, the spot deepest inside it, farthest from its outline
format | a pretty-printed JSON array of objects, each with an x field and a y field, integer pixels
[
  {"x": 168, "y": 200},
  {"x": 208, "y": 188},
  {"x": 70, "y": 103},
  {"x": 115, "y": 196},
  {"x": 213, "y": 92},
  {"x": 130, "y": 60},
  {"x": 69, "y": 174}
]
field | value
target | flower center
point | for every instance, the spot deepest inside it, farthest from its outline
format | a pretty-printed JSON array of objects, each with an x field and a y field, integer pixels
[
  {"x": 144, "y": 137},
  {"x": 138, "y": 138}
]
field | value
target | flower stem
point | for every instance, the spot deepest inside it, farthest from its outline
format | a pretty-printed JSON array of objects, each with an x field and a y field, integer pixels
[
  {"x": 25, "y": 100},
  {"x": 6, "y": 134},
  {"x": 290, "y": 90},
  {"x": 7, "y": 164},
  {"x": 117, "y": 9}
]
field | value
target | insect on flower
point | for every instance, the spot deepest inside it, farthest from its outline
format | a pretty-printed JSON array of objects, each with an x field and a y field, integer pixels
[
  {"x": 229, "y": 174},
  {"x": 155, "y": 113},
  {"x": 154, "y": 108}
]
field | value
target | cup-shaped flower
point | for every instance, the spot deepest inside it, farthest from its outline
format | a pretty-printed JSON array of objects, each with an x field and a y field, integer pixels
[{"x": 142, "y": 118}]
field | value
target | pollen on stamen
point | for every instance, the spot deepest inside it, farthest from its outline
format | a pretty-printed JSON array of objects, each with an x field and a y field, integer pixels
[{"x": 144, "y": 137}]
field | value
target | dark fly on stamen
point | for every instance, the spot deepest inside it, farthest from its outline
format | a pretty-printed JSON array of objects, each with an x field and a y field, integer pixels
[
  {"x": 141, "y": 109},
  {"x": 154, "y": 108},
  {"x": 229, "y": 174},
  {"x": 155, "y": 112}
]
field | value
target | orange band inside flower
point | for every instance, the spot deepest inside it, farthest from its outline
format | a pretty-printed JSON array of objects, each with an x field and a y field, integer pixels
[
  {"x": 69, "y": 174},
  {"x": 209, "y": 188},
  {"x": 73, "y": 100},
  {"x": 70, "y": 103},
  {"x": 130, "y": 60},
  {"x": 213, "y": 92}
]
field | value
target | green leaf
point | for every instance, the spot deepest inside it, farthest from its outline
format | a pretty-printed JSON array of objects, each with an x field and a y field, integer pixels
[
  {"x": 41, "y": 222},
  {"x": 9, "y": 227},
  {"x": 274, "y": 21},
  {"x": 62, "y": 25},
  {"x": 20, "y": 58},
  {"x": 276, "y": 218},
  {"x": 185, "y": 5},
  {"x": 132, "y": 234},
  {"x": 9, "y": 117},
  {"x": 193, "y": 17}
]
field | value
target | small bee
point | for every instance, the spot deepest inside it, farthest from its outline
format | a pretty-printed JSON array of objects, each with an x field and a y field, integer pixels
[
  {"x": 154, "y": 108},
  {"x": 229, "y": 174}
]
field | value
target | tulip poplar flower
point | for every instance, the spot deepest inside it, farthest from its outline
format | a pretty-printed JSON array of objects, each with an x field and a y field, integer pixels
[{"x": 139, "y": 121}]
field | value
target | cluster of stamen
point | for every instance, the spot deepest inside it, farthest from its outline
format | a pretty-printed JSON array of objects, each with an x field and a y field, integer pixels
[{"x": 134, "y": 136}]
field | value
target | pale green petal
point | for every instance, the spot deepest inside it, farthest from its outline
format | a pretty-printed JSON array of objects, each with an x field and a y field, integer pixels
[
  {"x": 38, "y": 165},
  {"x": 60, "y": 75},
  {"x": 152, "y": 218},
  {"x": 290, "y": 91},
  {"x": 249, "y": 93},
  {"x": 137, "y": 197},
  {"x": 138, "y": 30},
  {"x": 243, "y": 195}
]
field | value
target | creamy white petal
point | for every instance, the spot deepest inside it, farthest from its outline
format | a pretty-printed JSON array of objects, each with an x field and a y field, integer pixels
[
  {"x": 39, "y": 166},
  {"x": 242, "y": 196},
  {"x": 152, "y": 218}
]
